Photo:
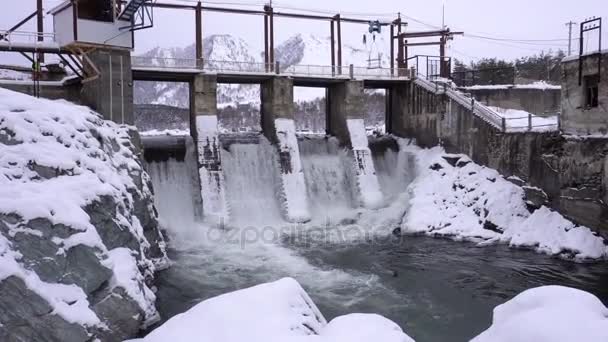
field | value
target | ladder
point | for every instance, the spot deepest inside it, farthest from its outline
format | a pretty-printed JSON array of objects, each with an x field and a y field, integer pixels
[{"x": 130, "y": 9}]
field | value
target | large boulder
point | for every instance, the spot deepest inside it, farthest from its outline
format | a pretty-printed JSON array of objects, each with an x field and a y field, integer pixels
[{"x": 79, "y": 237}]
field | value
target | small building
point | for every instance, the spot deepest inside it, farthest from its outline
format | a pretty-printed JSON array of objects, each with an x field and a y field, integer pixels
[
  {"x": 585, "y": 94},
  {"x": 99, "y": 33},
  {"x": 94, "y": 23}
]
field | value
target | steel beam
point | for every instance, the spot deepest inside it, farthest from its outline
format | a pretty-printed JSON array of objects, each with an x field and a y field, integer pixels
[
  {"x": 339, "y": 27},
  {"x": 333, "y": 47},
  {"x": 199, "y": 33}
]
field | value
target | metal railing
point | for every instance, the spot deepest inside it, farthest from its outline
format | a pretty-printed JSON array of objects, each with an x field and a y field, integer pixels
[
  {"x": 26, "y": 37},
  {"x": 491, "y": 116},
  {"x": 218, "y": 66}
]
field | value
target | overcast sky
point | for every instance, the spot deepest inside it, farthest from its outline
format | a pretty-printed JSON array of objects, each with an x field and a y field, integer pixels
[{"x": 506, "y": 19}]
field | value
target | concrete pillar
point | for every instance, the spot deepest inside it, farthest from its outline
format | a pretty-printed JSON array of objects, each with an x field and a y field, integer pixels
[
  {"x": 346, "y": 122},
  {"x": 111, "y": 93},
  {"x": 399, "y": 107},
  {"x": 205, "y": 133},
  {"x": 279, "y": 127}
]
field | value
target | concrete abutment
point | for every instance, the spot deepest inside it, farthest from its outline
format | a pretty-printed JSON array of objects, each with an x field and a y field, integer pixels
[
  {"x": 278, "y": 125},
  {"x": 346, "y": 122},
  {"x": 205, "y": 133}
]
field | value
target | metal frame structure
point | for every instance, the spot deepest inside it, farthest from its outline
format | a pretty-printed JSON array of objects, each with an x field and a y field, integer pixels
[{"x": 588, "y": 26}]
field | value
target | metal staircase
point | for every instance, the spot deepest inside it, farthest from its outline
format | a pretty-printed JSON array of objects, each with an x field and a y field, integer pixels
[
  {"x": 131, "y": 9},
  {"x": 138, "y": 13}
]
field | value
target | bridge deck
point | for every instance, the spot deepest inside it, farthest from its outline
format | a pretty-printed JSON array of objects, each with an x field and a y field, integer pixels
[{"x": 243, "y": 77}]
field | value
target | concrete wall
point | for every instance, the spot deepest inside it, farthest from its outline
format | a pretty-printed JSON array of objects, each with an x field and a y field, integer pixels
[
  {"x": 69, "y": 92},
  {"x": 345, "y": 101},
  {"x": 346, "y": 122},
  {"x": 575, "y": 118},
  {"x": 415, "y": 112},
  {"x": 542, "y": 102},
  {"x": 278, "y": 124},
  {"x": 573, "y": 172},
  {"x": 276, "y": 96},
  {"x": 205, "y": 133},
  {"x": 111, "y": 94}
]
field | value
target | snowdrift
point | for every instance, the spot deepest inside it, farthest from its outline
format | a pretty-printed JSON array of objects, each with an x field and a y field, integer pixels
[
  {"x": 79, "y": 239},
  {"x": 454, "y": 197},
  {"x": 549, "y": 314},
  {"x": 274, "y": 312}
]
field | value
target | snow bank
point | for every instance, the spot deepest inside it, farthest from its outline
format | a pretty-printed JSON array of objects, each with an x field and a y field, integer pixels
[
  {"x": 166, "y": 132},
  {"x": 541, "y": 85},
  {"x": 549, "y": 314},
  {"x": 58, "y": 164},
  {"x": 466, "y": 201},
  {"x": 274, "y": 312},
  {"x": 363, "y": 328},
  {"x": 518, "y": 120}
]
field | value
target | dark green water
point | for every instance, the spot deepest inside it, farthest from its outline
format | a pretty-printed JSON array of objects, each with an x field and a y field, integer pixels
[{"x": 435, "y": 289}]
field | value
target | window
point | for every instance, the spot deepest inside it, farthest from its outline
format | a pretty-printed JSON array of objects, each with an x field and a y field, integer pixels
[
  {"x": 592, "y": 91},
  {"x": 98, "y": 10}
]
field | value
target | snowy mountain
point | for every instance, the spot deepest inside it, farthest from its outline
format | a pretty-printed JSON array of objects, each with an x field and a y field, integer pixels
[{"x": 297, "y": 50}]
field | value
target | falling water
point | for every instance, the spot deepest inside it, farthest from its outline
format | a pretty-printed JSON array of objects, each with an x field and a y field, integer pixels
[
  {"x": 329, "y": 186},
  {"x": 250, "y": 171}
]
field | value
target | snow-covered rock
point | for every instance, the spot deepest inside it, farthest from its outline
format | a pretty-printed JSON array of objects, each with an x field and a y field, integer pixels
[
  {"x": 549, "y": 314},
  {"x": 79, "y": 238},
  {"x": 274, "y": 312},
  {"x": 454, "y": 197}
]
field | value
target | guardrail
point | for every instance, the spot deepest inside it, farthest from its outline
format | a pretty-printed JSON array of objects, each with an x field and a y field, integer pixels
[
  {"x": 495, "y": 118},
  {"x": 217, "y": 66},
  {"x": 26, "y": 37}
]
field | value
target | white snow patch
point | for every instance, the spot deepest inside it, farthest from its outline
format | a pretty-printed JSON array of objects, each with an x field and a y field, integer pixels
[
  {"x": 274, "y": 312},
  {"x": 549, "y": 314},
  {"x": 167, "y": 132},
  {"x": 521, "y": 121},
  {"x": 127, "y": 276},
  {"x": 68, "y": 301},
  {"x": 541, "y": 85}
]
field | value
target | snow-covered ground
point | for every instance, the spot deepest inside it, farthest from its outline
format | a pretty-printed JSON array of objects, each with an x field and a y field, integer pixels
[
  {"x": 274, "y": 312},
  {"x": 471, "y": 202},
  {"x": 549, "y": 314},
  {"x": 6, "y": 74},
  {"x": 168, "y": 132},
  {"x": 542, "y": 85},
  {"x": 521, "y": 121},
  {"x": 283, "y": 312}
]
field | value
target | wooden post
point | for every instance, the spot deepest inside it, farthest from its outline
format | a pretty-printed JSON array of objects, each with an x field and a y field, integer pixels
[
  {"x": 529, "y": 121},
  {"x": 199, "y": 35},
  {"x": 504, "y": 125}
]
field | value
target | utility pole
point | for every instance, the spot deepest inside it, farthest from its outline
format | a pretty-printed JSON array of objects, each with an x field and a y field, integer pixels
[
  {"x": 40, "y": 26},
  {"x": 570, "y": 25}
]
